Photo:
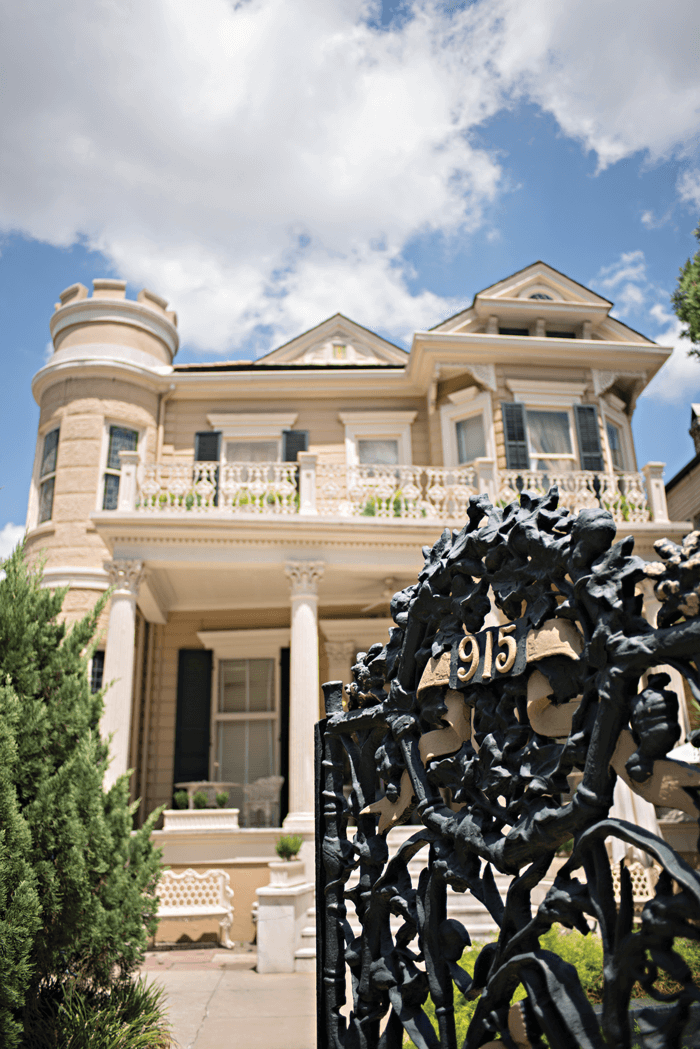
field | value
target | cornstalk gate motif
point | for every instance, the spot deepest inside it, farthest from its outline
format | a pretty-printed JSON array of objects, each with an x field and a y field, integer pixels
[{"x": 521, "y": 655}]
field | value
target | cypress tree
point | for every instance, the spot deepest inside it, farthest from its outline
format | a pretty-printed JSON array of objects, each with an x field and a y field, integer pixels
[
  {"x": 19, "y": 900},
  {"x": 95, "y": 879}
]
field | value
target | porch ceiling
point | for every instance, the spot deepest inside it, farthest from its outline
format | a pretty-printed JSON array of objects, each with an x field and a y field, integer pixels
[{"x": 179, "y": 588}]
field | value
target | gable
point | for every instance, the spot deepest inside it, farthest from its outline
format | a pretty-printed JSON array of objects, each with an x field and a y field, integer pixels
[
  {"x": 536, "y": 288},
  {"x": 337, "y": 341}
]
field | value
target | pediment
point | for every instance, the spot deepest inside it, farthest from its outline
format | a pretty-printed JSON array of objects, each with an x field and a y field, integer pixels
[
  {"x": 536, "y": 289},
  {"x": 539, "y": 280},
  {"x": 337, "y": 341}
]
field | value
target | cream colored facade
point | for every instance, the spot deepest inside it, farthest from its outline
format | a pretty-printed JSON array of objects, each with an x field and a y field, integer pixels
[{"x": 282, "y": 539}]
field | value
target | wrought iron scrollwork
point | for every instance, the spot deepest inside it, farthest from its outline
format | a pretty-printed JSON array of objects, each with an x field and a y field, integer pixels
[{"x": 521, "y": 655}]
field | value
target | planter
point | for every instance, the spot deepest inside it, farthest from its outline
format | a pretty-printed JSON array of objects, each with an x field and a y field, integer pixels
[
  {"x": 284, "y": 873},
  {"x": 200, "y": 819}
]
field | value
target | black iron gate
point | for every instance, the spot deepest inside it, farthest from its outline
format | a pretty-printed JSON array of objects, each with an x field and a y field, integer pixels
[{"x": 520, "y": 680}]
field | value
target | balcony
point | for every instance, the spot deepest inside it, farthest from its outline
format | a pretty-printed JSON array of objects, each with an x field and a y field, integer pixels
[{"x": 396, "y": 493}]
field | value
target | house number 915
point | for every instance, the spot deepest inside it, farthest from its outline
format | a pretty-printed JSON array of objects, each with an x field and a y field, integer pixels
[{"x": 469, "y": 652}]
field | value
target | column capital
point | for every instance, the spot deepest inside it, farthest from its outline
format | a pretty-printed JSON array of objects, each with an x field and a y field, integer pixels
[
  {"x": 125, "y": 575},
  {"x": 341, "y": 651},
  {"x": 304, "y": 577}
]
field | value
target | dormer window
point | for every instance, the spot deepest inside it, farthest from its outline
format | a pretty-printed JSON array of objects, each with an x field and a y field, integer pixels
[{"x": 541, "y": 295}]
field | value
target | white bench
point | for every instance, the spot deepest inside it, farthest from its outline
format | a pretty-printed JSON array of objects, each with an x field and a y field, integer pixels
[{"x": 191, "y": 895}]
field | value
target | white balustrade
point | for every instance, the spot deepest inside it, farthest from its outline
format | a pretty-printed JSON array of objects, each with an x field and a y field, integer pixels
[
  {"x": 253, "y": 488},
  {"x": 623, "y": 494},
  {"x": 395, "y": 493}
]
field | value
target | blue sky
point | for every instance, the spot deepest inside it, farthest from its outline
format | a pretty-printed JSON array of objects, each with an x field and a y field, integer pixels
[{"x": 265, "y": 164}]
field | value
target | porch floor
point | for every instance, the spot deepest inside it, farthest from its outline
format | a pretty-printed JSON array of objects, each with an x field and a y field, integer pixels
[{"x": 217, "y": 1001}]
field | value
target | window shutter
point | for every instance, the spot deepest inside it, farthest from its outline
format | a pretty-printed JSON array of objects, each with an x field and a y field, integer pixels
[
  {"x": 206, "y": 446},
  {"x": 515, "y": 433},
  {"x": 193, "y": 715},
  {"x": 588, "y": 437},
  {"x": 295, "y": 441}
]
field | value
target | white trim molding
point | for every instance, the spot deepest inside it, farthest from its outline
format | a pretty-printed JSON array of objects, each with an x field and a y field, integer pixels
[
  {"x": 76, "y": 577},
  {"x": 536, "y": 392},
  {"x": 251, "y": 424},
  {"x": 379, "y": 425}
]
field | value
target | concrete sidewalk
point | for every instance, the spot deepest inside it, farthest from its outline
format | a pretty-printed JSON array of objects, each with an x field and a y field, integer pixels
[{"x": 217, "y": 1001}]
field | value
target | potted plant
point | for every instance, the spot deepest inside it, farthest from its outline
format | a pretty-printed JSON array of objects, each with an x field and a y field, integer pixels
[
  {"x": 288, "y": 846},
  {"x": 288, "y": 869}
]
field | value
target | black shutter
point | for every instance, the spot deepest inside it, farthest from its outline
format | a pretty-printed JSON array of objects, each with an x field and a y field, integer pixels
[
  {"x": 193, "y": 715},
  {"x": 295, "y": 441},
  {"x": 207, "y": 449},
  {"x": 206, "y": 446},
  {"x": 515, "y": 433},
  {"x": 588, "y": 437},
  {"x": 284, "y": 731}
]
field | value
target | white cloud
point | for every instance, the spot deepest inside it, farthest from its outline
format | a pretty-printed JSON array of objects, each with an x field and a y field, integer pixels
[
  {"x": 10, "y": 535},
  {"x": 625, "y": 280},
  {"x": 689, "y": 187},
  {"x": 679, "y": 379},
  {"x": 267, "y": 162}
]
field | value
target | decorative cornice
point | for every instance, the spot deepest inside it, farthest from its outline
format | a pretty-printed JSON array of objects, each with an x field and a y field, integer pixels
[
  {"x": 304, "y": 577},
  {"x": 125, "y": 576}
]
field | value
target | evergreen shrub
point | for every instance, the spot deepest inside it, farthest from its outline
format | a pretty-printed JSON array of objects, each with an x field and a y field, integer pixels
[
  {"x": 180, "y": 799},
  {"x": 77, "y": 888},
  {"x": 200, "y": 800}
]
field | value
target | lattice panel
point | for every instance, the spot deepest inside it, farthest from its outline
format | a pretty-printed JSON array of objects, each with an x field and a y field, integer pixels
[{"x": 192, "y": 889}]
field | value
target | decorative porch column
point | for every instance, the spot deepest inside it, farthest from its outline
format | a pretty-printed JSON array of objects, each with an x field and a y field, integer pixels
[
  {"x": 126, "y": 576},
  {"x": 303, "y": 692}
]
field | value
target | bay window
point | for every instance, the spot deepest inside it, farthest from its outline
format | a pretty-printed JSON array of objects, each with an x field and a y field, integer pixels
[
  {"x": 550, "y": 445},
  {"x": 467, "y": 427},
  {"x": 471, "y": 443}
]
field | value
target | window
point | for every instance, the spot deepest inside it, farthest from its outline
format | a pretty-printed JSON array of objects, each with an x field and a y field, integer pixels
[
  {"x": 378, "y": 452},
  {"x": 541, "y": 438},
  {"x": 245, "y": 721},
  {"x": 561, "y": 335},
  {"x": 252, "y": 451},
  {"x": 550, "y": 440},
  {"x": 467, "y": 427},
  {"x": 615, "y": 445},
  {"x": 541, "y": 295},
  {"x": 470, "y": 439},
  {"x": 48, "y": 476},
  {"x": 120, "y": 440},
  {"x": 377, "y": 438},
  {"x": 97, "y": 669},
  {"x": 513, "y": 331}
]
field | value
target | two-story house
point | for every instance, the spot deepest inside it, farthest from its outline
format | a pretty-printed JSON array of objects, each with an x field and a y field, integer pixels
[{"x": 256, "y": 516}]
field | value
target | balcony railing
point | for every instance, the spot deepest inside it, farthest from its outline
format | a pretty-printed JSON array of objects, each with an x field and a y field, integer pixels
[{"x": 396, "y": 493}]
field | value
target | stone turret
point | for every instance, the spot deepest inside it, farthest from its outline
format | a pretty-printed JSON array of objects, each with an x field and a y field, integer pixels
[{"x": 107, "y": 325}]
